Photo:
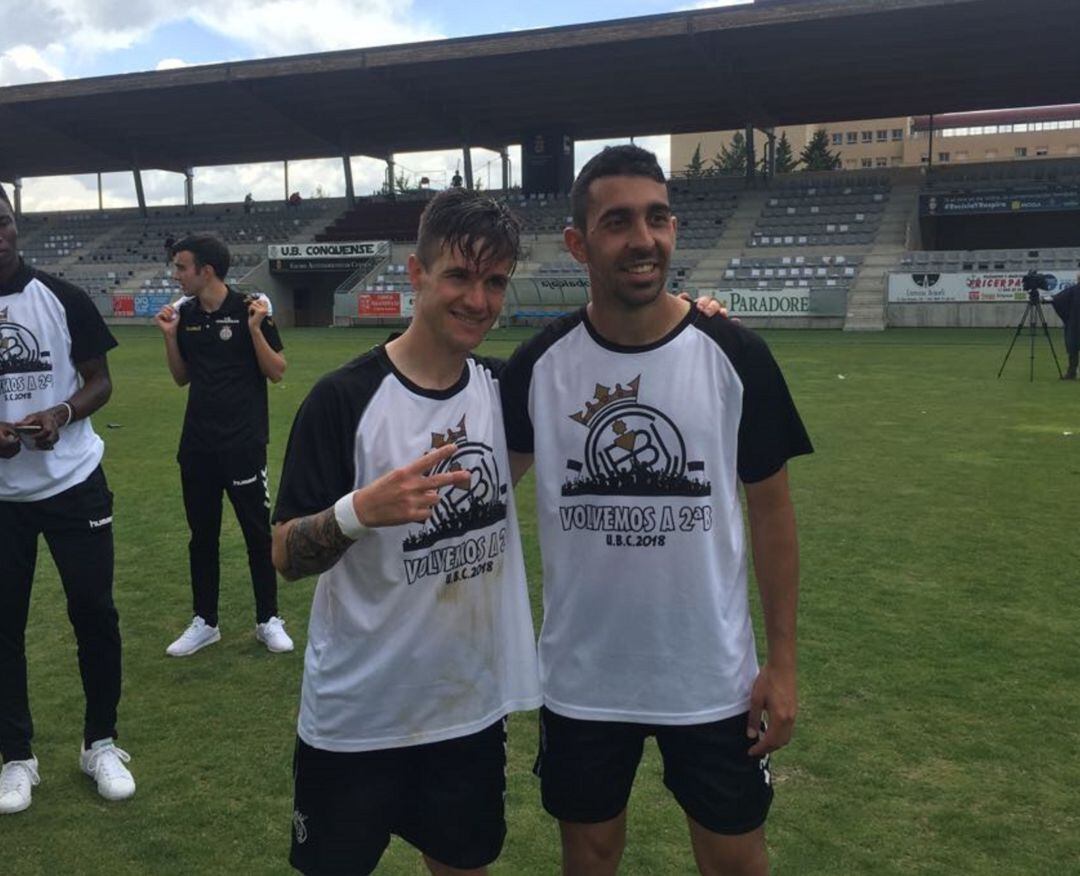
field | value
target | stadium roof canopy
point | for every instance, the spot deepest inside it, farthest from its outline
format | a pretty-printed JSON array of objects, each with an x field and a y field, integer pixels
[{"x": 776, "y": 62}]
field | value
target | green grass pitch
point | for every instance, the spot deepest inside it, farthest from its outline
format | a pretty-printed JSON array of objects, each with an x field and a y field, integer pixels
[{"x": 940, "y": 664}]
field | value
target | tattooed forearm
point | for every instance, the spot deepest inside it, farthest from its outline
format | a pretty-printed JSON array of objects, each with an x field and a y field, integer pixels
[{"x": 313, "y": 545}]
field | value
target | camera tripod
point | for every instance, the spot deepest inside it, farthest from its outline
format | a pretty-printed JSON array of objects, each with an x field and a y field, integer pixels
[{"x": 1032, "y": 318}]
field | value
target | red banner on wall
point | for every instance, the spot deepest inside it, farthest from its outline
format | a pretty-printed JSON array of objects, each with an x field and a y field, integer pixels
[
  {"x": 123, "y": 305},
  {"x": 379, "y": 303}
]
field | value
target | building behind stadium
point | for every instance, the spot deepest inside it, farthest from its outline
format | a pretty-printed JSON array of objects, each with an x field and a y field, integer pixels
[{"x": 957, "y": 138}]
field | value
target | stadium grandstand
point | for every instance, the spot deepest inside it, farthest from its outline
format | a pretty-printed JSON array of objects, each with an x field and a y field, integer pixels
[{"x": 888, "y": 238}]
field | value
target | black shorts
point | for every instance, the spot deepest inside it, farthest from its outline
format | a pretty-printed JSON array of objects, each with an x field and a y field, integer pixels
[
  {"x": 587, "y": 768},
  {"x": 444, "y": 798}
]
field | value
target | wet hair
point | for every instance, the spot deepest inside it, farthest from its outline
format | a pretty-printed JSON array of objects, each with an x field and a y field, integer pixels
[
  {"x": 206, "y": 249},
  {"x": 626, "y": 160},
  {"x": 482, "y": 229}
]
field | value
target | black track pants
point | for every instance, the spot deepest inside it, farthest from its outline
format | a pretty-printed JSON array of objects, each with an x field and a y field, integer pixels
[
  {"x": 241, "y": 475},
  {"x": 77, "y": 525}
]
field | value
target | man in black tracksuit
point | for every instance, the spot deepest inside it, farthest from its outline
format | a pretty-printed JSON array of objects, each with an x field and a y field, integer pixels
[
  {"x": 1067, "y": 305},
  {"x": 225, "y": 345}
]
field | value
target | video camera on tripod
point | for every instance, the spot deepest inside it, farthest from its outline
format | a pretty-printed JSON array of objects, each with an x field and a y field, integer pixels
[
  {"x": 1033, "y": 318},
  {"x": 1034, "y": 283}
]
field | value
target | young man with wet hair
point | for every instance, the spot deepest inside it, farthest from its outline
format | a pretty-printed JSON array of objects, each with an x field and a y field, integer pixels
[
  {"x": 53, "y": 376},
  {"x": 646, "y": 623},
  {"x": 396, "y": 491},
  {"x": 224, "y": 346}
]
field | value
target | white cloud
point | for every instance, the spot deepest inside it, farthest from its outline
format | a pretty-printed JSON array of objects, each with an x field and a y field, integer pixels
[
  {"x": 23, "y": 64},
  {"x": 278, "y": 27},
  {"x": 268, "y": 27},
  {"x": 659, "y": 145},
  {"x": 39, "y": 36},
  {"x": 712, "y": 4},
  {"x": 59, "y": 193},
  {"x": 83, "y": 26}
]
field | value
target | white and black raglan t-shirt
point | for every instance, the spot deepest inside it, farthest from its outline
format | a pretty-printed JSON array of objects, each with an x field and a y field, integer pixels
[
  {"x": 638, "y": 455},
  {"x": 47, "y": 328},
  {"x": 422, "y": 632}
]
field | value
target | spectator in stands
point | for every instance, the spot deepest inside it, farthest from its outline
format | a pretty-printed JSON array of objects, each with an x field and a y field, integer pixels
[
  {"x": 396, "y": 465},
  {"x": 295, "y": 200},
  {"x": 168, "y": 244},
  {"x": 1066, "y": 304},
  {"x": 51, "y": 483},
  {"x": 646, "y": 623},
  {"x": 226, "y": 346},
  {"x": 455, "y": 180},
  {"x": 249, "y": 201}
]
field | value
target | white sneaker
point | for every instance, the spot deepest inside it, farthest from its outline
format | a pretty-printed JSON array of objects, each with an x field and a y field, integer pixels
[
  {"x": 17, "y": 778},
  {"x": 198, "y": 635},
  {"x": 104, "y": 763},
  {"x": 273, "y": 635}
]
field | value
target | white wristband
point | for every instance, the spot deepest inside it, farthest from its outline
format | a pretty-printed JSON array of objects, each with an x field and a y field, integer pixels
[
  {"x": 347, "y": 521},
  {"x": 71, "y": 412}
]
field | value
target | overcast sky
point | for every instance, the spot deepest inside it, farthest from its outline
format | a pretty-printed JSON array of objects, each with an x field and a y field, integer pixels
[{"x": 45, "y": 40}]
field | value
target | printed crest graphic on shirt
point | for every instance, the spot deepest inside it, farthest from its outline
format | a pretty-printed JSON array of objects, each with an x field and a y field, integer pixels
[
  {"x": 631, "y": 449},
  {"x": 20, "y": 352},
  {"x": 463, "y": 509}
]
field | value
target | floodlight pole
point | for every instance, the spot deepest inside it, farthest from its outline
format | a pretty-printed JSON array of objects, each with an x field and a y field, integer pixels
[
  {"x": 287, "y": 192},
  {"x": 100, "y": 194},
  {"x": 750, "y": 168},
  {"x": 140, "y": 195},
  {"x": 391, "y": 191},
  {"x": 504, "y": 155},
  {"x": 18, "y": 196},
  {"x": 930, "y": 148},
  {"x": 466, "y": 154},
  {"x": 350, "y": 192},
  {"x": 189, "y": 188}
]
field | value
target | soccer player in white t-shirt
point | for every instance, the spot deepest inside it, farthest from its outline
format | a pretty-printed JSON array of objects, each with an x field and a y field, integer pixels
[
  {"x": 396, "y": 490},
  {"x": 644, "y": 416},
  {"x": 53, "y": 376}
]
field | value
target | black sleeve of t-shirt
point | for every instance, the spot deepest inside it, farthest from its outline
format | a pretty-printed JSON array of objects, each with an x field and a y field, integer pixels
[
  {"x": 319, "y": 465},
  {"x": 515, "y": 380},
  {"x": 270, "y": 332},
  {"x": 770, "y": 430},
  {"x": 183, "y": 312},
  {"x": 495, "y": 365},
  {"x": 90, "y": 337}
]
